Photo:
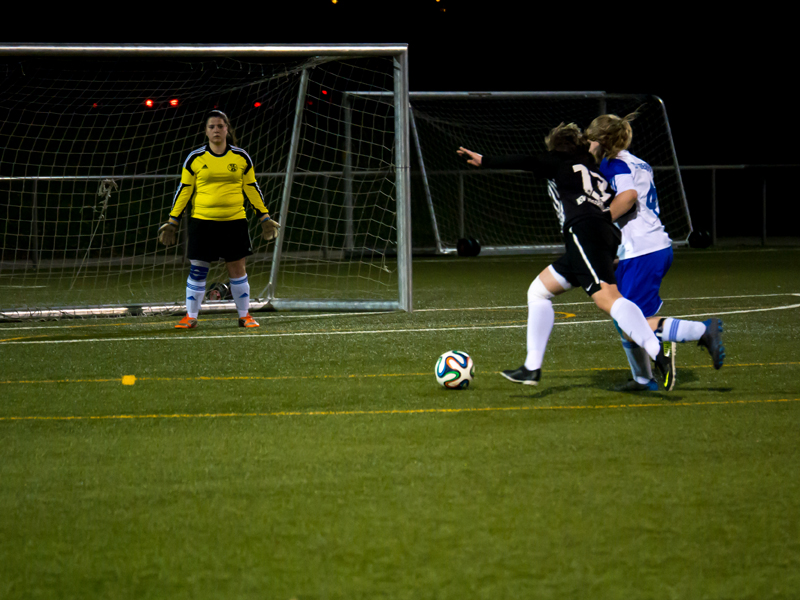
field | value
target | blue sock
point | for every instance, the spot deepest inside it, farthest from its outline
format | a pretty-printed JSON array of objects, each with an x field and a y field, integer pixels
[{"x": 196, "y": 287}]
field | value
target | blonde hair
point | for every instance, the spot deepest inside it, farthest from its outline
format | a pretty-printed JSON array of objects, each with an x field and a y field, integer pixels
[
  {"x": 566, "y": 138},
  {"x": 613, "y": 133}
]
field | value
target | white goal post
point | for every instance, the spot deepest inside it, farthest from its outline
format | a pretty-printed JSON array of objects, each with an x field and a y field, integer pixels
[
  {"x": 94, "y": 137},
  {"x": 510, "y": 211}
]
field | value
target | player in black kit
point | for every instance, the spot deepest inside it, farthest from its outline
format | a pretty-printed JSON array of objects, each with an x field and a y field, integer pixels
[{"x": 581, "y": 196}]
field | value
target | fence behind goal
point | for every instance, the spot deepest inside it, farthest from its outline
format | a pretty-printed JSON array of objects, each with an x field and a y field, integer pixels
[
  {"x": 511, "y": 211},
  {"x": 93, "y": 142}
]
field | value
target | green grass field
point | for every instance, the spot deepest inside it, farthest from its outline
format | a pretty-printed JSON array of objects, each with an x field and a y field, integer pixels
[{"x": 316, "y": 457}]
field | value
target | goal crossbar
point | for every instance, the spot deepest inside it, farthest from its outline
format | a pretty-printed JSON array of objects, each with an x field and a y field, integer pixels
[{"x": 313, "y": 261}]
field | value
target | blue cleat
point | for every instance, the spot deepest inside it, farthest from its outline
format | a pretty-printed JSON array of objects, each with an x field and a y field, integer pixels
[
  {"x": 634, "y": 386},
  {"x": 712, "y": 341}
]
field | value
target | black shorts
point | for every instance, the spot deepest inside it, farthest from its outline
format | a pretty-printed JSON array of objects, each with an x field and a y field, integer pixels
[
  {"x": 591, "y": 250},
  {"x": 214, "y": 240}
]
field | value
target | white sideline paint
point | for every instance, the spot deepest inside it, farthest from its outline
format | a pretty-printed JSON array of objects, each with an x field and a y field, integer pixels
[
  {"x": 421, "y": 310},
  {"x": 182, "y": 337}
]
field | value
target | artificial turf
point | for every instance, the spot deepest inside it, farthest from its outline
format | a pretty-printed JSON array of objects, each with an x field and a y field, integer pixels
[{"x": 316, "y": 457}]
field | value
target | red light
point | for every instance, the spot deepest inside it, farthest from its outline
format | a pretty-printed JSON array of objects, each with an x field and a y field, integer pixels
[
  {"x": 257, "y": 104},
  {"x": 173, "y": 102},
  {"x": 149, "y": 103},
  {"x": 324, "y": 92}
]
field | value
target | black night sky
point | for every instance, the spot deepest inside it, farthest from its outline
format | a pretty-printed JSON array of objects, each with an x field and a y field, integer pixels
[{"x": 726, "y": 77}]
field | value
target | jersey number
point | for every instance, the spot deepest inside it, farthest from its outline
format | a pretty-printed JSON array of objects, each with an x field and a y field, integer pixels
[
  {"x": 594, "y": 186},
  {"x": 652, "y": 199}
]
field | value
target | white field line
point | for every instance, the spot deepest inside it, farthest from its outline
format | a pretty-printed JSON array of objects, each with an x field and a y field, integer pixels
[
  {"x": 183, "y": 337},
  {"x": 556, "y": 305},
  {"x": 276, "y": 317},
  {"x": 272, "y": 317}
]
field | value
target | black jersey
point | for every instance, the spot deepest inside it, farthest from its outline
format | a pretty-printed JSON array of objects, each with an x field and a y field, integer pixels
[{"x": 576, "y": 186}]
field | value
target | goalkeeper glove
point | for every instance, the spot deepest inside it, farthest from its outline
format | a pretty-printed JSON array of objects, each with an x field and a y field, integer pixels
[
  {"x": 167, "y": 233},
  {"x": 269, "y": 228}
]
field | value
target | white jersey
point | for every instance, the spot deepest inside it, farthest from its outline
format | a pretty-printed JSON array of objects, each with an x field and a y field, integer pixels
[{"x": 642, "y": 231}]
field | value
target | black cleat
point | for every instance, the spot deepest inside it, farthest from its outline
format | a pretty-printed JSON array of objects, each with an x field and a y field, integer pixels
[
  {"x": 665, "y": 365},
  {"x": 669, "y": 349},
  {"x": 712, "y": 341},
  {"x": 523, "y": 375}
]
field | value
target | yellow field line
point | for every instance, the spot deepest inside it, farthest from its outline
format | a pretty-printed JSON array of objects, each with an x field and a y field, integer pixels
[
  {"x": 216, "y": 378},
  {"x": 413, "y": 411},
  {"x": 351, "y": 376}
]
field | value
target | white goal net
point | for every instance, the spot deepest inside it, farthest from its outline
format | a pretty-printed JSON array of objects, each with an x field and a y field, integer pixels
[
  {"x": 93, "y": 143},
  {"x": 511, "y": 211}
]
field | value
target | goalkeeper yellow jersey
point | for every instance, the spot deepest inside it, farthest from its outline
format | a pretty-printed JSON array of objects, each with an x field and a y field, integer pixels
[{"x": 218, "y": 185}]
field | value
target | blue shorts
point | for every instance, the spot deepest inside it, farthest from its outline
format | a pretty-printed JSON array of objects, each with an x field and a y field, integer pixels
[{"x": 639, "y": 279}]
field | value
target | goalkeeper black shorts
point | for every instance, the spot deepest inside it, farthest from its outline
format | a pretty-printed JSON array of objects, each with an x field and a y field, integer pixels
[{"x": 210, "y": 241}]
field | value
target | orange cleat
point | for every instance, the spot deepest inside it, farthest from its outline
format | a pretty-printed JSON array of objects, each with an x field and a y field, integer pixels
[
  {"x": 186, "y": 322},
  {"x": 248, "y": 321}
]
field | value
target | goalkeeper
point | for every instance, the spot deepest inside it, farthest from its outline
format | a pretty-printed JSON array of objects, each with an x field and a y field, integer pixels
[
  {"x": 218, "y": 178},
  {"x": 580, "y": 195}
]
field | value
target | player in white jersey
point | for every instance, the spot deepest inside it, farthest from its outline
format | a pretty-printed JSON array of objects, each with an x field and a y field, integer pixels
[
  {"x": 645, "y": 252},
  {"x": 590, "y": 239}
]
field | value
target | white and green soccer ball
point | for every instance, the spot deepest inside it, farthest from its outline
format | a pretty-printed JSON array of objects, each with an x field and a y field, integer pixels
[{"x": 455, "y": 370}]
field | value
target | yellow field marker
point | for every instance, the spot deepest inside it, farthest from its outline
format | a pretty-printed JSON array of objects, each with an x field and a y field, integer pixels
[{"x": 131, "y": 379}]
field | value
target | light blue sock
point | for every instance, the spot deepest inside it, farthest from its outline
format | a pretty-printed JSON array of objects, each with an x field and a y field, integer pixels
[
  {"x": 196, "y": 287},
  {"x": 638, "y": 359}
]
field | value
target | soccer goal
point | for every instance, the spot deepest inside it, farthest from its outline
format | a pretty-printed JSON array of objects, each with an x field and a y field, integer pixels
[
  {"x": 94, "y": 137},
  {"x": 511, "y": 211}
]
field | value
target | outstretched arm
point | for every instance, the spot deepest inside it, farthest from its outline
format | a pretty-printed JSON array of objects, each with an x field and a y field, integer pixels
[
  {"x": 543, "y": 165},
  {"x": 473, "y": 158}
]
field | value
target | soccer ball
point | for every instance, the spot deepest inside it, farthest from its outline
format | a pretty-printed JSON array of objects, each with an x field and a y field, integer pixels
[{"x": 455, "y": 370}]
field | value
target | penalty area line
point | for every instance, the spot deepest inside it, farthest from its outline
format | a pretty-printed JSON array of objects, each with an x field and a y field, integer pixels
[
  {"x": 410, "y": 411},
  {"x": 182, "y": 336}
]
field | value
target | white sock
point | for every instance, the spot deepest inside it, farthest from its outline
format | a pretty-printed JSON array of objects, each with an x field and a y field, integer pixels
[
  {"x": 541, "y": 317},
  {"x": 240, "y": 288},
  {"x": 676, "y": 330},
  {"x": 633, "y": 324},
  {"x": 196, "y": 287}
]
